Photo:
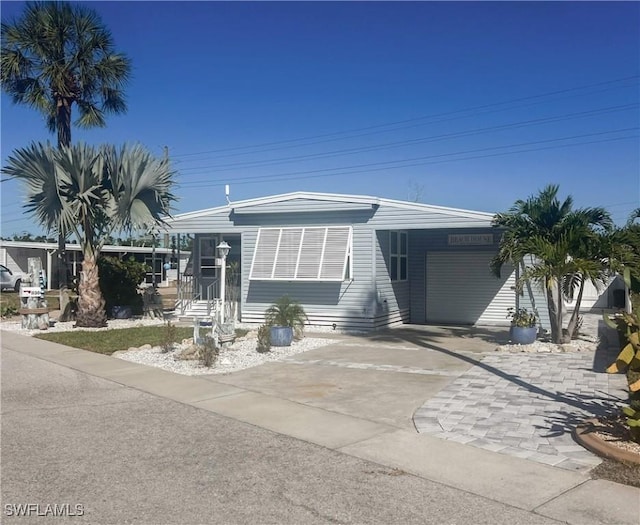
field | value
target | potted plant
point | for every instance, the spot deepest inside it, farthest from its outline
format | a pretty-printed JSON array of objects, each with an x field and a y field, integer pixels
[
  {"x": 524, "y": 329},
  {"x": 285, "y": 317}
]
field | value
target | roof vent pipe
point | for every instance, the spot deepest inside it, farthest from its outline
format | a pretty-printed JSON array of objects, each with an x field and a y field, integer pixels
[{"x": 226, "y": 193}]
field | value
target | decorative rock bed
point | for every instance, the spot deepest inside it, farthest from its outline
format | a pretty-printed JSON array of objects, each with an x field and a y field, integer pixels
[
  {"x": 577, "y": 345},
  {"x": 238, "y": 356}
]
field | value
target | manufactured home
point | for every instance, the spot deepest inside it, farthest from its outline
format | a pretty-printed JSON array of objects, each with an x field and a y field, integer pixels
[{"x": 353, "y": 261}]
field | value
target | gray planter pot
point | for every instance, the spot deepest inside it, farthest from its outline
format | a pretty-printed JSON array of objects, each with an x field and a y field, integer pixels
[
  {"x": 121, "y": 312},
  {"x": 523, "y": 335},
  {"x": 281, "y": 335}
]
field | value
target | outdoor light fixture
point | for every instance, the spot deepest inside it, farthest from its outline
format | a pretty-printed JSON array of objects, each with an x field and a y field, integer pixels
[{"x": 223, "y": 248}]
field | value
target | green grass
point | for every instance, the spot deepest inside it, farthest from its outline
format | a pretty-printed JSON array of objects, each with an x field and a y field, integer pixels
[
  {"x": 13, "y": 299},
  {"x": 109, "y": 341}
]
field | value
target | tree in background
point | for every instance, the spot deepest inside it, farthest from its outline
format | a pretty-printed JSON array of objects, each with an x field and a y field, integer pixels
[
  {"x": 566, "y": 247},
  {"x": 58, "y": 55},
  {"x": 93, "y": 192}
]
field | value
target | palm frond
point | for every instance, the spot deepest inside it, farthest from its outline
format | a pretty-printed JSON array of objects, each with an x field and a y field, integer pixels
[{"x": 58, "y": 50}]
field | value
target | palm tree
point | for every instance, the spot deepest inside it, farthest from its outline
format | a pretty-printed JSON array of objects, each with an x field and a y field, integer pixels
[
  {"x": 562, "y": 242},
  {"x": 58, "y": 55},
  {"x": 93, "y": 192}
]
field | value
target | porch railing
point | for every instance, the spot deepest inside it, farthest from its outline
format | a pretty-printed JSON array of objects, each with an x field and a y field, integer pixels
[
  {"x": 186, "y": 293},
  {"x": 189, "y": 293}
]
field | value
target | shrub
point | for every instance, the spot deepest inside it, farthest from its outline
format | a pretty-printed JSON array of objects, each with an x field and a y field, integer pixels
[
  {"x": 8, "y": 311},
  {"x": 168, "y": 337},
  {"x": 522, "y": 317},
  {"x": 264, "y": 339},
  {"x": 629, "y": 360},
  {"x": 286, "y": 312},
  {"x": 119, "y": 280},
  {"x": 208, "y": 351}
]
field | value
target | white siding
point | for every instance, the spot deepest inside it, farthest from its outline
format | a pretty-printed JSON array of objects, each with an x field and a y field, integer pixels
[{"x": 461, "y": 289}]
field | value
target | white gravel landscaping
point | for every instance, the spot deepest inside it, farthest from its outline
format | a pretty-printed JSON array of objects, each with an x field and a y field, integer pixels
[{"x": 240, "y": 355}]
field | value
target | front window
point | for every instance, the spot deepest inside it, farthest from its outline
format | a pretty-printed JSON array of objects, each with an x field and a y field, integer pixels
[{"x": 398, "y": 256}]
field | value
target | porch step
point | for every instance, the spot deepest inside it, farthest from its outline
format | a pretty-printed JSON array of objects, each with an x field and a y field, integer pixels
[{"x": 197, "y": 309}]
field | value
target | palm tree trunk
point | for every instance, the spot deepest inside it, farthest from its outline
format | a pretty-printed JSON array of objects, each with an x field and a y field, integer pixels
[
  {"x": 561, "y": 336},
  {"x": 91, "y": 305},
  {"x": 63, "y": 123},
  {"x": 573, "y": 321},
  {"x": 555, "y": 314}
]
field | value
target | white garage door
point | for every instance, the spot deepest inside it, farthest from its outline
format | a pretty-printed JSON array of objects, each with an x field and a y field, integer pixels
[{"x": 462, "y": 290}]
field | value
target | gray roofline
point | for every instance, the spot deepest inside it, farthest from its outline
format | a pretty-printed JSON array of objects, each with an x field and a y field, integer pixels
[{"x": 335, "y": 197}]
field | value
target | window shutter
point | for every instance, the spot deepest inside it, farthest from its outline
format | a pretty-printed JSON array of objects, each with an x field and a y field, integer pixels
[
  {"x": 265, "y": 253},
  {"x": 337, "y": 246},
  {"x": 288, "y": 251},
  {"x": 311, "y": 253},
  {"x": 305, "y": 254}
]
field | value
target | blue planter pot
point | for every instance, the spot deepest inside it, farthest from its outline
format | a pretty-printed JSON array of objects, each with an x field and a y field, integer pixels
[
  {"x": 121, "y": 312},
  {"x": 281, "y": 335},
  {"x": 523, "y": 335}
]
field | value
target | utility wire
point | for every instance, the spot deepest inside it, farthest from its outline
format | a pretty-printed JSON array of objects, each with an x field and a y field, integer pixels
[
  {"x": 374, "y": 164},
  {"x": 242, "y": 181},
  {"x": 411, "y": 142},
  {"x": 406, "y": 121}
]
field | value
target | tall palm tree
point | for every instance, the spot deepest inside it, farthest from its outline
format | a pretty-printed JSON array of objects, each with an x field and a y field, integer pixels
[
  {"x": 58, "y": 55},
  {"x": 93, "y": 192},
  {"x": 561, "y": 241}
]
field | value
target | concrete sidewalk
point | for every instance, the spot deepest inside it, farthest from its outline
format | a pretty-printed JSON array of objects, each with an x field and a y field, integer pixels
[{"x": 540, "y": 490}]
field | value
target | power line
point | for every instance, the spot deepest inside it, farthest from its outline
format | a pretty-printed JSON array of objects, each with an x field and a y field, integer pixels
[
  {"x": 374, "y": 164},
  {"x": 416, "y": 119},
  {"x": 410, "y": 142},
  {"x": 425, "y": 163}
]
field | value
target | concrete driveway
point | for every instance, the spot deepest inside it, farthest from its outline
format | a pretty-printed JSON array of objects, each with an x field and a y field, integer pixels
[
  {"x": 383, "y": 377},
  {"x": 449, "y": 382}
]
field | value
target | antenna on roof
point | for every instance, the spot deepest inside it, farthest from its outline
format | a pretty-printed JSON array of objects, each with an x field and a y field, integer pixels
[{"x": 226, "y": 193}]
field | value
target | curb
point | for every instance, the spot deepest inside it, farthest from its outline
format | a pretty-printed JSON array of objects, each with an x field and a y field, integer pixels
[{"x": 583, "y": 435}]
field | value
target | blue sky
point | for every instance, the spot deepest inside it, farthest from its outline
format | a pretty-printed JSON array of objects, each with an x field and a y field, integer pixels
[{"x": 468, "y": 105}]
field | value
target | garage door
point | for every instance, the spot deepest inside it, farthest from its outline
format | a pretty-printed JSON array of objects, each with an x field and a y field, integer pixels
[{"x": 462, "y": 290}]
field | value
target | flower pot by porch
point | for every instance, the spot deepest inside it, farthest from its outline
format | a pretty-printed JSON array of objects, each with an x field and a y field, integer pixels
[
  {"x": 121, "y": 312},
  {"x": 523, "y": 335},
  {"x": 281, "y": 335}
]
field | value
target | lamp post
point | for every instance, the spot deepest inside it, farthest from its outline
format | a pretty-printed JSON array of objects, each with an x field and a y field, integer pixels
[{"x": 223, "y": 249}]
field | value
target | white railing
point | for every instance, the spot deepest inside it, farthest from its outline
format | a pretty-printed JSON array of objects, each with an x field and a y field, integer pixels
[{"x": 187, "y": 296}]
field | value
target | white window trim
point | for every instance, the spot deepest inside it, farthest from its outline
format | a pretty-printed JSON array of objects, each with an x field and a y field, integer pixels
[
  {"x": 347, "y": 264},
  {"x": 397, "y": 253}
]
